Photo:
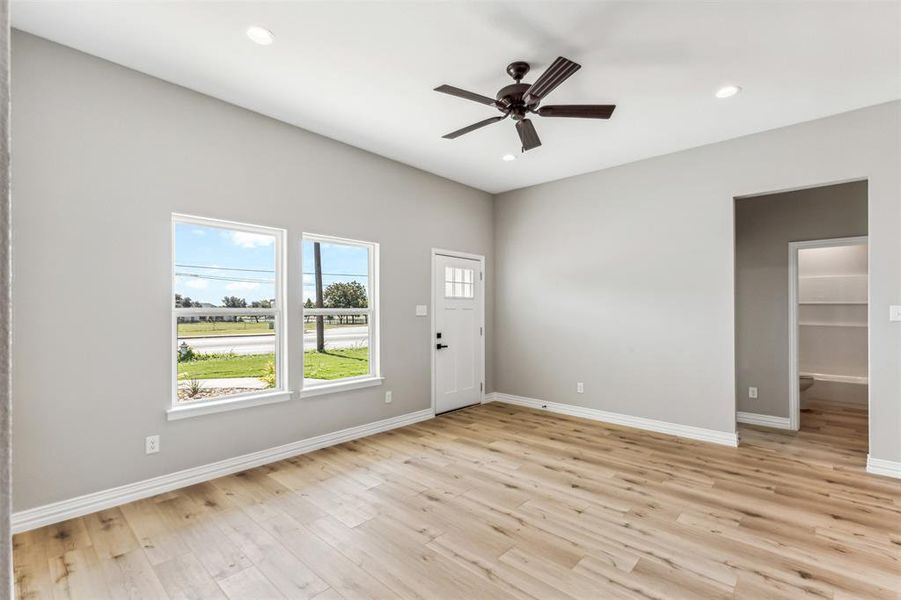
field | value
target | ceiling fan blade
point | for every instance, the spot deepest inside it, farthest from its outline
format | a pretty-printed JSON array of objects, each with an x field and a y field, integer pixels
[
  {"x": 527, "y": 135},
  {"x": 473, "y": 127},
  {"x": 454, "y": 91},
  {"x": 554, "y": 75},
  {"x": 580, "y": 111}
]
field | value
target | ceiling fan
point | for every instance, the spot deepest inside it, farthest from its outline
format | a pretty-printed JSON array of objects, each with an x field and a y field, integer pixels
[{"x": 519, "y": 99}]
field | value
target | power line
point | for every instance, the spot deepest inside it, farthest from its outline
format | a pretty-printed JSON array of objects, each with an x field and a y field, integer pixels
[
  {"x": 224, "y": 268},
  {"x": 223, "y": 278},
  {"x": 258, "y": 271}
]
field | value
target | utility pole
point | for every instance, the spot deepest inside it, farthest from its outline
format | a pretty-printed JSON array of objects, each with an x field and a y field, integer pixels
[{"x": 320, "y": 320}]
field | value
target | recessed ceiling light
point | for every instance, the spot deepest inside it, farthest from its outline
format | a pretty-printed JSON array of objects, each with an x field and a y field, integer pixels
[
  {"x": 508, "y": 157},
  {"x": 727, "y": 91},
  {"x": 260, "y": 35}
]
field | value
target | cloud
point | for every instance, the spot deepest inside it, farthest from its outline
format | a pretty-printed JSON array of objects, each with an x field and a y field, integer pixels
[
  {"x": 246, "y": 239},
  {"x": 242, "y": 286},
  {"x": 196, "y": 284},
  {"x": 198, "y": 232}
]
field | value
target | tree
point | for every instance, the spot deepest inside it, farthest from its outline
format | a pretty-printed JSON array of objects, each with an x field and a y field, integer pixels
[
  {"x": 184, "y": 301},
  {"x": 346, "y": 294},
  {"x": 234, "y": 302},
  {"x": 260, "y": 304},
  {"x": 307, "y": 304}
]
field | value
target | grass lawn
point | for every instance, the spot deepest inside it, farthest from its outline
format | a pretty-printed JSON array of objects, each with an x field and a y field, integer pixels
[
  {"x": 334, "y": 364},
  {"x": 213, "y": 328},
  {"x": 249, "y": 365}
]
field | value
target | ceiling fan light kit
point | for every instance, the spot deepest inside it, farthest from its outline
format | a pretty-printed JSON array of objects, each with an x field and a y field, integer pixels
[{"x": 519, "y": 100}]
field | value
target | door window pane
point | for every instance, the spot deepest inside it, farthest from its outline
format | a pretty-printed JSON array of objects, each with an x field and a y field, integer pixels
[{"x": 458, "y": 282}]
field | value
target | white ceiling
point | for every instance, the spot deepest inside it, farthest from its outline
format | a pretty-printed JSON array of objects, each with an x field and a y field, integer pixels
[{"x": 363, "y": 72}]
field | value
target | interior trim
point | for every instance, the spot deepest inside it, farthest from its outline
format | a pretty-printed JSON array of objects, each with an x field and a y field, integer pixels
[
  {"x": 763, "y": 420},
  {"x": 879, "y": 466},
  {"x": 209, "y": 407},
  {"x": 713, "y": 436},
  {"x": 838, "y": 378},
  {"x": 55, "y": 512}
]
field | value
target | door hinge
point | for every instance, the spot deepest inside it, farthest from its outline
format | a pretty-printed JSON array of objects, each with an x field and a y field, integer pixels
[
  {"x": 481, "y": 386},
  {"x": 480, "y": 331},
  {"x": 480, "y": 275}
]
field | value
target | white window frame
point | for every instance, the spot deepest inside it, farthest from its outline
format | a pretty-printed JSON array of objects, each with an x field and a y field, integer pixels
[
  {"x": 281, "y": 391},
  {"x": 361, "y": 381}
]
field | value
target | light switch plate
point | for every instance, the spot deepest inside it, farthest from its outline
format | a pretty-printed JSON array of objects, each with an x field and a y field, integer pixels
[
  {"x": 894, "y": 313},
  {"x": 422, "y": 310}
]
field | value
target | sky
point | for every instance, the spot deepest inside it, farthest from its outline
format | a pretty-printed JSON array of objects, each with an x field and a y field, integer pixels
[{"x": 211, "y": 263}]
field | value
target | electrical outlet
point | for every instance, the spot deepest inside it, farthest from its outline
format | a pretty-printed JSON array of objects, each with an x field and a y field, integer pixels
[
  {"x": 387, "y": 397},
  {"x": 580, "y": 388},
  {"x": 151, "y": 444},
  {"x": 752, "y": 392}
]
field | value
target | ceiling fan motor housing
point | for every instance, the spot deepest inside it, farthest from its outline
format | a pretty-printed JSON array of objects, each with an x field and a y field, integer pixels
[{"x": 509, "y": 99}]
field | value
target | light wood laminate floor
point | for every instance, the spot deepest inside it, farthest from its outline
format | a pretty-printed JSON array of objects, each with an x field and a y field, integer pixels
[{"x": 499, "y": 501}]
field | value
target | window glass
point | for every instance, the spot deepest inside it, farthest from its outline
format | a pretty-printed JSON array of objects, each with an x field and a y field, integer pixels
[
  {"x": 225, "y": 312},
  {"x": 338, "y": 311},
  {"x": 221, "y": 356},
  {"x": 218, "y": 267}
]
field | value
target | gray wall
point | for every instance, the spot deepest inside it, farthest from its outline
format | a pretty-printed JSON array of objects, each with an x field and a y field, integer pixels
[
  {"x": 624, "y": 278},
  {"x": 104, "y": 155},
  {"x": 764, "y": 226}
]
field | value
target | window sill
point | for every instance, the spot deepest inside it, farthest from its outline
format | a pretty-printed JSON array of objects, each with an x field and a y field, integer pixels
[
  {"x": 333, "y": 388},
  {"x": 186, "y": 411}
]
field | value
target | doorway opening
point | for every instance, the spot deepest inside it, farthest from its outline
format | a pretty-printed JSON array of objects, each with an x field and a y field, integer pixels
[
  {"x": 828, "y": 316},
  {"x": 801, "y": 315}
]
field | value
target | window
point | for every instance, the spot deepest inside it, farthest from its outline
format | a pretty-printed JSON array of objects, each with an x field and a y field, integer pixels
[
  {"x": 227, "y": 310},
  {"x": 458, "y": 283},
  {"x": 340, "y": 312}
]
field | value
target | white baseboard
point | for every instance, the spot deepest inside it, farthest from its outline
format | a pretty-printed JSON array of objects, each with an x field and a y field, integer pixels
[
  {"x": 837, "y": 378},
  {"x": 489, "y": 397},
  {"x": 724, "y": 438},
  {"x": 879, "y": 466},
  {"x": 89, "y": 503},
  {"x": 764, "y": 420}
]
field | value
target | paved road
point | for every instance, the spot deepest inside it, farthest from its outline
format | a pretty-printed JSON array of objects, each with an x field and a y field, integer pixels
[{"x": 343, "y": 337}]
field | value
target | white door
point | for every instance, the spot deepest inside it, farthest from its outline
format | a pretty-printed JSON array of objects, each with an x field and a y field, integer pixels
[{"x": 457, "y": 342}]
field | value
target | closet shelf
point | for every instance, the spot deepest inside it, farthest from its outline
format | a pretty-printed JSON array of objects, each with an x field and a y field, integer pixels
[{"x": 851, "y": 302}]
